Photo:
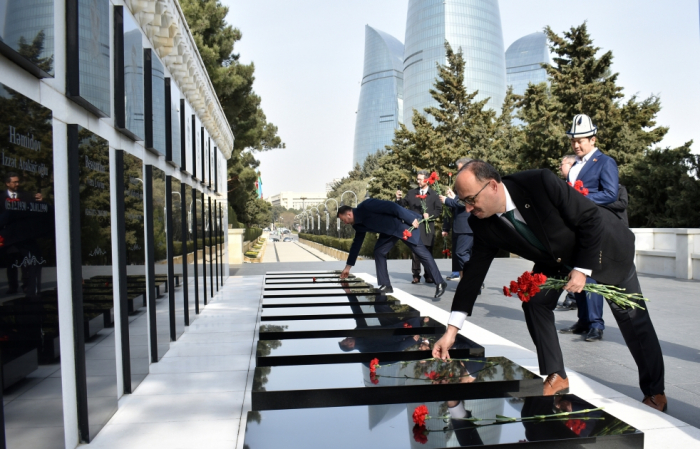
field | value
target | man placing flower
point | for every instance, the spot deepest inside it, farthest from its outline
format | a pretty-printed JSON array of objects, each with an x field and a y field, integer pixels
[{"x": 392, "y": 222}]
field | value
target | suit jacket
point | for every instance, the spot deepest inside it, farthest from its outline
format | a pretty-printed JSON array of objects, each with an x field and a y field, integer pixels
[
  {"x": 601, "y": 177},
  {"x": 460, "y": 218},
  {"x": 383, "y": 217},
  {"x": 434, "y": 206},
  {"x": 574, "y": 231},
  {"x": 619, "y": 207}
]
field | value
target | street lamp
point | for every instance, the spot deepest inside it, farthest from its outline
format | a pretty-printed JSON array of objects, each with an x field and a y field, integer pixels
[
  {"x": 319, "y": 218},
  {"x": 348, "y": 191},
  {"x": 328, "y": 217}
]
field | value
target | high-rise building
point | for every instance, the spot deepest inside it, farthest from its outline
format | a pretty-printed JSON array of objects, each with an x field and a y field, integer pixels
[
  {"x": 381, "y": 95},
  {"x": 524, "y": 60},
  {"x": 472, "y": 25}
]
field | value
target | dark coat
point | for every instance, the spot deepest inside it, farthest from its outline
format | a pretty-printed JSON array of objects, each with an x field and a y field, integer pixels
[
  {"x": 383, "y": 217},
  {"x": 459, "y": 223},
  {"x": 601, "y": 177},
  {"x": 620, "y": 206},
  {"x": 574, "y": 231},
  {"x": 434, "y": 206}
]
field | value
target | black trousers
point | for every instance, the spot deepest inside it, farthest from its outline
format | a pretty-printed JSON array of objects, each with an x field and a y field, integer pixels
[
  {"x": 416, "y": 263},
  {"x": 384, "y": 245},
  {"x": 635, "y": 325}
]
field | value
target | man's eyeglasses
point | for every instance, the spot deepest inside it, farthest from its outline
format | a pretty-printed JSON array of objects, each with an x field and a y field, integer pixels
[{"x": 471, "y": 200}]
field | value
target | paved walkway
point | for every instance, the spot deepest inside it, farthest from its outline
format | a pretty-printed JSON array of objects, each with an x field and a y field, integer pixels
[
  {"x": 195, "y": 396},
  {"x": 293, "y": 252}
]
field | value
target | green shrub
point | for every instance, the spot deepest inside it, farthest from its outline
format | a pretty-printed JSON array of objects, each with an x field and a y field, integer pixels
[{"x": 251, "y": 234}]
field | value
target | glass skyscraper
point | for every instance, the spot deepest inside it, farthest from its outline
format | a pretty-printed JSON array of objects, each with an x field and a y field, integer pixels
[
  {"x": 380, "y": 109},
  {"x": 472, "y": 25},
  {"x": 523, "y": 62}
]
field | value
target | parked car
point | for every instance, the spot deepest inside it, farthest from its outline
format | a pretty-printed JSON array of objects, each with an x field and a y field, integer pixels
[
  {"x": 274, "y": 239},
  {"x": 288, "y": 239}
]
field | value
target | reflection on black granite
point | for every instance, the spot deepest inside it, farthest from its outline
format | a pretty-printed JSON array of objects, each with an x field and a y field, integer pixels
[
  {"x": 29, "y": 333},
  {"x": 391, "y": 426},
  {"x": 28, "y": 32},
  {"x": 158, "y": 99},
  {"x": 159, "y": 264},
  {"x": 175, "y": 291},
  {"x": 377, "y": 310},
  {"x": 192, "y": 266},
  {"x": 136, "y": 267},
  {"x": 317, "y": 285},
  {"x": 96, "y": 255},
  {"x": 133, "y": 77},
  {"x": 326, "y": 300}
]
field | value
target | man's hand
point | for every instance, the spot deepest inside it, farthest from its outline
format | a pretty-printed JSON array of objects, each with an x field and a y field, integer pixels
[
  {"x": 399, "y": 194},
  {"x": 415, "y": 223},
  {"x": 444, "y": 234},
  {"x": 38, "y": 197},
  {"x": 426, "y": 216},
  {"x": 442, "y": 198},
  {"x": 440, "y": 350},
  {"x": 451, "y": 194},
  {"x": 346, "y": 272},
  {"x": 577, "y": 281}
]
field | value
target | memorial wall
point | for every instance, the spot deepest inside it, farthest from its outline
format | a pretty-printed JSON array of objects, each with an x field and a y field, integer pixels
[{"x": 129, "y": 135}]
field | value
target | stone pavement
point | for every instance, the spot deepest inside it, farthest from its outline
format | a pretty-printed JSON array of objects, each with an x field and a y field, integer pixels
[
  {"x": 292, "y": 252},
  {"x": 674, "y": 309}
]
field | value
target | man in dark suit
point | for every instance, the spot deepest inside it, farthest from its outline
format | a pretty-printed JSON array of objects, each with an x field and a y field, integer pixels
[
  {"x": 538, "y": 216},
  {"x": 599, "y": 174},
  {"x": 462, "y": 236},
  {"x": 414, "y": 200},
  {"x": 389, "y": 220}
]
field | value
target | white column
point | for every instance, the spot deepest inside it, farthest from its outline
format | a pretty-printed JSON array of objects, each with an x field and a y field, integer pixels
[{"x": 684, "y": 251}]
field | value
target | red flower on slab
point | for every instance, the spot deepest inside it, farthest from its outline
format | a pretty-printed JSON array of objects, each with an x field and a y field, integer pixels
[
  {"x": 314, "y": 279},
  {"x": 406, "y": 234},
  {"x": 432, "y": 375},
  {"x": 419, "y": 415},
  {"x": 407, "y": 325},
  {"x": 576, "y": 425},
  {"x": 373, "y": 365},
  {"x": 527, "y": 286},
  {"x": 373, "y": 378},
  {"x": 420, "y": 434}
]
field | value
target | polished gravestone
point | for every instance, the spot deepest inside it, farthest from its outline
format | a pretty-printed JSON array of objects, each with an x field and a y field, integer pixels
[
  {"x": 311, "y": 285},
  {"x": 327, "y": 301},
  {"x": 391, "y": 426},
  {"x": 358, "y": 326},
  {"x": 379, "y": 310},
  {"x": 353, "y": 349},
  {"x": 320, "y": 292},
  {"x": 304, "y": 273},
  {"x": 333, "y": 385},
  {"x": 307, "y": 279}
]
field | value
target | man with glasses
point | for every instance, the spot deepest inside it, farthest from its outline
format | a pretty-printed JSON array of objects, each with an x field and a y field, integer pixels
[
  {"x": 415, "y": 199},
  {"x": 539, "y": 217}
]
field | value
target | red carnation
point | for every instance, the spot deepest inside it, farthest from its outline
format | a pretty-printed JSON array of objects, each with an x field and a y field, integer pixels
[
  {"x": 420, "y": 434},
  {"x": 506, "y": 291},
  {"x": 449, "y": 174},
  {"x": 373, "y": 378},
  {"x": 433, "y": 178},
  {"x": 527, "y": 286},
  {"x": 407, "y": 325},
  {"x": 432, "y": 375},
  {"x": 576, "y": 425},
  {"x": 419, "y": 415},
  {"x": 314, "y": 279},
  {"x": 422, "y": 196},
  {"x": 2, "y": 241},
  {"x": 406, "y": 234},
  {"x": 373, "y": 365}
]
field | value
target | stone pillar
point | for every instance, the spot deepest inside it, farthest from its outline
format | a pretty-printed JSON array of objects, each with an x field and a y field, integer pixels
[
  {"x": 235, "y": 246},
  {"x": 684, "y": 250}
]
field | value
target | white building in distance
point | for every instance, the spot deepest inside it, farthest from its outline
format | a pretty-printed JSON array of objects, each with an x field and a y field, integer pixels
[{"x": 297, "y": 200}]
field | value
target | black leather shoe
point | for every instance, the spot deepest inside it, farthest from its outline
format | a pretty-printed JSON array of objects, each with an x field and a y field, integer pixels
[
  {"x": 385, "y": 289},
  {"x": 429, "y": 280},
  {"x": 575, "y": 329},
  {"x": 440, "y": 289},
  {"x": 594, "y": 334}
]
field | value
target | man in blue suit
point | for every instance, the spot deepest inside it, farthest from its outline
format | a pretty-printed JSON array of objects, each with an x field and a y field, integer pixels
[
  {"x": 462, "y": 235},
  {"x": 599, "y": 175},
  {"x": 389, "y": 220}
]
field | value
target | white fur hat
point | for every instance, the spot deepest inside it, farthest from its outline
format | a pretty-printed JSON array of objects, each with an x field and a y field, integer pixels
[{"x": 582, "y": 126}]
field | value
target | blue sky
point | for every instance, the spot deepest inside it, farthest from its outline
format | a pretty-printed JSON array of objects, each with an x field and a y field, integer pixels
[{"x": 308, "y": 56}]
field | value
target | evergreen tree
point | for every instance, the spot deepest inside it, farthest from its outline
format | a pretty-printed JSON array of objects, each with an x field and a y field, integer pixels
[{"x": 233, "y": 83}]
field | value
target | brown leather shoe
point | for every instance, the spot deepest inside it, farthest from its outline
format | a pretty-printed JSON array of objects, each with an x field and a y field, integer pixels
[
  {"x": 415, "y": 280},
  {"x": 656, "y": 401},
  {"x": 554, "y": 384}
]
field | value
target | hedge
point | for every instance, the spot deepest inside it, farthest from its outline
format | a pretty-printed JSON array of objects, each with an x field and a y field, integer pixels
[
  {"x": 251, "y": 234},
  {"x": 399, "y": 251}
]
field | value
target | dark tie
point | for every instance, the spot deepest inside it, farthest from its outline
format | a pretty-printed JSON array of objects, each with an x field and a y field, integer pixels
[{"x": 524, "y": 230}]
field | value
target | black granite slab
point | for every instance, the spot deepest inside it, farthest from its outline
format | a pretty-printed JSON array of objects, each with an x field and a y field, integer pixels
[
  {"x": 319, "y": 292},
  {"x": 351, "y": 349},
  {"x": 358, "y": 326},
  {"x": 327, "y": 301},
  {"x": 302, "y": 272},
  {"x": 269, "y": 276},
  {"x": 307, "y": 279},
  {"x": 327, "y": 312},
  {"x": 317, "y": 285},
  {"x": 334, "y": 385},
  {"x": 390, "y": 426}
]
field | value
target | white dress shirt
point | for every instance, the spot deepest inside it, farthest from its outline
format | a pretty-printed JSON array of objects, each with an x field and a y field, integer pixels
[
  {"x": 457, "y": 317},
  {"x": 578, "y": 166}
]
